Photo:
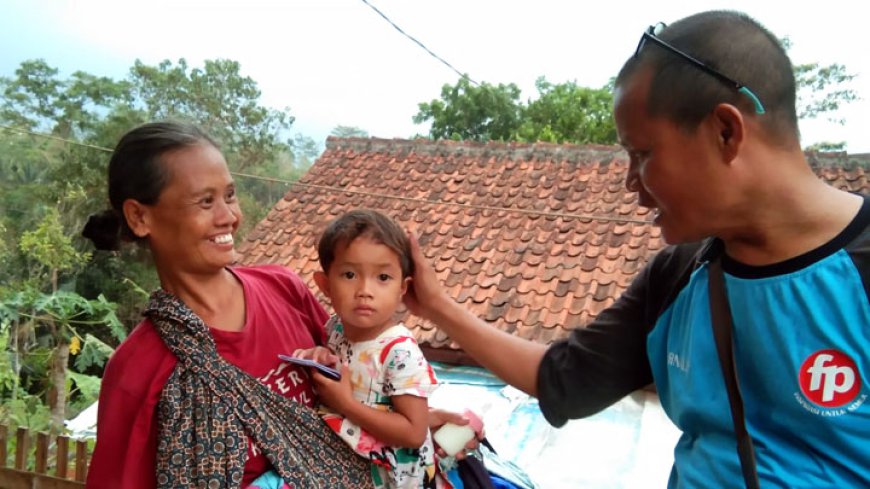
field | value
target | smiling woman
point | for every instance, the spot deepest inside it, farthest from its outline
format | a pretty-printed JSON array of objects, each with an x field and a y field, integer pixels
[
  {"x": 190, "y": 228},
  {"x": 179, "y": 396}
]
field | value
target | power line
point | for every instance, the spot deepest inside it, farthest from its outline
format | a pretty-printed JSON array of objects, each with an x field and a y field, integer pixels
[
  {"x": 439, "y": 58},
  {"x": 56, "y": 138},
  {"x": 560, "y": 215}
]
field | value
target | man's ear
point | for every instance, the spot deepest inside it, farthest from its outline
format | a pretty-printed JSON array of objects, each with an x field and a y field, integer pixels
[
  {"x": 730, "y": 127},
  {"x": 137, "y": 217},
  {"x": 322, "y": 282}
]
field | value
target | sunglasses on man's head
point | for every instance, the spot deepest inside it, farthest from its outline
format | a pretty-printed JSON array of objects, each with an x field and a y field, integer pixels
[{"x": 652, "y": 33}]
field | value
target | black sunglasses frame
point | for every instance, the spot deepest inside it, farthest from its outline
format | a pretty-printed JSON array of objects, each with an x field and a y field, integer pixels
[{"x": 650, "y": 35}]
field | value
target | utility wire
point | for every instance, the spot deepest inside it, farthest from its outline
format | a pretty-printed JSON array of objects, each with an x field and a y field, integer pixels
[
  {"x": 559, "y": 215},
  {"x": 439, "y": 58},
  {"x": 56, "y": 138}
]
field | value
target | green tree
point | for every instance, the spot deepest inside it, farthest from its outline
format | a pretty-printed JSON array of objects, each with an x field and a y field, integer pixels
[
  {"x": 97, "y": 111},
  {"x": 473, "y": 112},
  {"x": 562, "y": 113},
  {"x": 349, "y": 132},
  {"x": 821, "y": 91},
  {"x": 37, "y": 99},
  {"x": 51, "y": 326},
  {"x": 304, "y": 151},
  {"x": 50, "y": 318},
  {"x": 50, "y": 250},
  {"x": 38, "y": 172},
  {"x": 567, "y": 113},
  {"x": 30, "y": 99},
  {"x": 4, "y": 248},
  {"x": 52, "y": 309},
  {"x": 219, "y": 98}
]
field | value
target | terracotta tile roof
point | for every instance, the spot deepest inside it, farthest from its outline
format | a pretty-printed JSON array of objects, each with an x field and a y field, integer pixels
[{"x": 536, "y": 239}]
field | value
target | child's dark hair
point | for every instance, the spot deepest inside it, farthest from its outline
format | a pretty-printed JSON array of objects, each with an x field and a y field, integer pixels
[{"x": 370, "y": 224}]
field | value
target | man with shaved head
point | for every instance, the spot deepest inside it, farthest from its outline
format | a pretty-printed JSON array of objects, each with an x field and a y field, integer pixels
[{"x": 705, "y": 109}]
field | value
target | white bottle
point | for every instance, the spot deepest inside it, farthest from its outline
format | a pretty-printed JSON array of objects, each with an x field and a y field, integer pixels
[{"x": 452, "y": 437}]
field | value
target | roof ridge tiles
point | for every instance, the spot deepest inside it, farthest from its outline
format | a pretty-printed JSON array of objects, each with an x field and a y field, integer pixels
[{"x": 514, "y": 151}]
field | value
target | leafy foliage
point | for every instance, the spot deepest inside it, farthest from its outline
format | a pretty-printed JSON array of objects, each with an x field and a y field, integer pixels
[
  {"x": 93, "y": 353},
  {"x": 44, "y": 326},
  {"x": 822, "y": 89},
  {"x": 37, "y": 174},
  {"x": 221, "y": 100},
  {"x": 63, "y": 306},
  {"x": 37, "y": 99},
  {"x": 8, "y": 376},
  {"x": 26, "y": 410},
  {"x": 349, "y": 132},
  {"x": 49, "y": 248},
  {"x": 4, "y": 248},
  {"x": 568, "y": 113},
  {"x": 563, "y": 113},
  {"x": 87, "y": 385},
  {"x": 476, "y": 113},
  {"x": 826, "y": 147}
]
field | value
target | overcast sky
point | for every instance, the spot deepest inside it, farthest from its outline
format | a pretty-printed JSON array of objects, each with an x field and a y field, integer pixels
[{"x": 337, "y": 62}]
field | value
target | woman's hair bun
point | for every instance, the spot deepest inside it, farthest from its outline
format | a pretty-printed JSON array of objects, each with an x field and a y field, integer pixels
[{"x": 104, "y": 230}]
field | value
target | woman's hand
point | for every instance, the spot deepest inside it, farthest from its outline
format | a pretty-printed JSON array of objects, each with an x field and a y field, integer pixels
[
  {"x": 438, "y": 417},
  {"x": 425, "y": 292}
]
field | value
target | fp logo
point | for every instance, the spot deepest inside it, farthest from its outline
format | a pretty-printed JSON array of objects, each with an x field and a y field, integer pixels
[{"x": 829, "y": 378}]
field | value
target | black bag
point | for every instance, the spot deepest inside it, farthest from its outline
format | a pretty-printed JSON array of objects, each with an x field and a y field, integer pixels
[{"x": 473, "y": 473}]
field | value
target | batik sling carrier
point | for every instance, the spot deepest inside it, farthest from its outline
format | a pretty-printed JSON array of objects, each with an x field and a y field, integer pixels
[{"x": 208, "y": 408}]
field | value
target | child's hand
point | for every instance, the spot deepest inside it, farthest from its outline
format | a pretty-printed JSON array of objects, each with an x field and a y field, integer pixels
[
  {"x": 336, "y": 394},
  {"x": 319, "y": 354},
  {"x": 438, "y": 417}
]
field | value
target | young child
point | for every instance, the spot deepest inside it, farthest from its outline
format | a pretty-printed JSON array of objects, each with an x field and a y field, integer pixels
[{"x": 380, "y": 404}]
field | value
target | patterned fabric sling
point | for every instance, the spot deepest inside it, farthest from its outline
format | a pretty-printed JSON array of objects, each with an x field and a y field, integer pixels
[{"x": 209, "y": 407}]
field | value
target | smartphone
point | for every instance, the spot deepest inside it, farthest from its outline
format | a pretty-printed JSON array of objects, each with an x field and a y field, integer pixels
[{"x": 327, "y": 371}]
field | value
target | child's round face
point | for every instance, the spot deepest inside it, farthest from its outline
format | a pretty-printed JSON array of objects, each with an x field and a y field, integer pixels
[{"x": 366, "y": 287}]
